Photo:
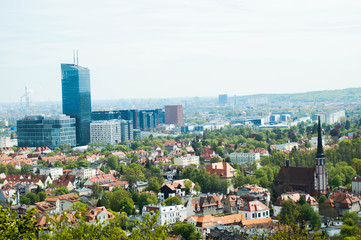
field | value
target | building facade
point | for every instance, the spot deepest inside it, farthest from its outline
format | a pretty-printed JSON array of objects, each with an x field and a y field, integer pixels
[
  {"x": 106, "y": 132},
  {"x": 75, "y": 81},
  {"x": 50, "y": 131},
  {"x": 240, "y": 157},
  {"x": 174, "y": 114},
  {"x": 167, "y": 214}
]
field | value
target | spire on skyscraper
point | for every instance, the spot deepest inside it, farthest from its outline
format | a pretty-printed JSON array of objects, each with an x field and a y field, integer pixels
[{"x": 320, "y": 153}]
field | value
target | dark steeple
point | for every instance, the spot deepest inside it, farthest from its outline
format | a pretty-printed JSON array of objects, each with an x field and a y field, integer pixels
[{"x": 320, "y": 153}]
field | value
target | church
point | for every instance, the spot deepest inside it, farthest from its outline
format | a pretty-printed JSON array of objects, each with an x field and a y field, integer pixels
[{"x": 309, "y": 180}]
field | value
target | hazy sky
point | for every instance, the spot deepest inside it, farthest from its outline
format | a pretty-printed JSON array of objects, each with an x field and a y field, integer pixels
[{"x": 166, "y": 48}]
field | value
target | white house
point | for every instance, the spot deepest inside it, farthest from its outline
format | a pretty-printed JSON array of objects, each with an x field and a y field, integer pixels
[
  {"x": 255, "y": 210},
  {"x": 84, "y": 173},
  {"x": 167, "y": 214}
]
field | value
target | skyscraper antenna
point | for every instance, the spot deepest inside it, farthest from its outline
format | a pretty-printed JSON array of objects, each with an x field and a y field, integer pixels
[
  {"x": 74, "y": 56},
  {"x": 77, "y": 59}
]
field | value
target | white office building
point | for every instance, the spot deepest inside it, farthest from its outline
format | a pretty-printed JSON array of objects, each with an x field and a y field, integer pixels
[
  {"x": 240, "y": 157},
  {"x": 106, "y": 132},
  {"x": 167, "y": 214}
]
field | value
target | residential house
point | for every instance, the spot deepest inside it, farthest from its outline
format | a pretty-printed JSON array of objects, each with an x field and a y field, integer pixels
[
  {"x": 175, "y": 188},
  {"x": 356, "y": 185},
  {"x": 203, "y": 205},
  {"x": 102, "y": 179},
  {"x": 255, "y": 210},
  {"x": 98, "y": 215},
  {"x": 63, "y": 183},
  {"x": 231, "y": 203},
  {"x": 294, "y": 196},
  {"x": 253, "y": 192},
  {"x": 222, "y": 169},
  {"x": 343, "y": 202}
]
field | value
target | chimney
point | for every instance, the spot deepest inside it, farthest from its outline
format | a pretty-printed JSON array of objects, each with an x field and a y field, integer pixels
[{"x": 287, "y": 163}]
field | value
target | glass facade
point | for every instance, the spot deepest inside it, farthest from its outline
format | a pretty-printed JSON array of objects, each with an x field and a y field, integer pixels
[
  {"x": 75, "y": 82},
  {"x": 51, "y": 131}
]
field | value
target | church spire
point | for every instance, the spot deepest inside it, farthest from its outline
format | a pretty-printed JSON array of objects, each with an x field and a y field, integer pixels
[{"x": 320, "y": 153}]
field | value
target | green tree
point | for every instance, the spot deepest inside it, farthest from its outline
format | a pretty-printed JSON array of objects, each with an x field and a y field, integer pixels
[
  {"x": 3, "y": 169},
  {"x": 154, "y": 184},
  {"x": 145, "y": 199},
  {"x": 25, "y": 169},
  {"x": 173, "y": 201},
  {"x": 187, "y": 230},
  {"x": 33, "y": 198},
  {"x": 289, "y": 212},
  {"x": 315, "y": 221},
  {"x": 112, "y": 162},
  {"x": 42, "y": 196},
  {"x": 97, "y": 191},
  {"x": 61, "y": 191}
]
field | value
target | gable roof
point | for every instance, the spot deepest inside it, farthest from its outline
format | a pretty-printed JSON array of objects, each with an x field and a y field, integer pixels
[
  {"x": 296, "y": 175},
  {"x": 221, "y": 169}
]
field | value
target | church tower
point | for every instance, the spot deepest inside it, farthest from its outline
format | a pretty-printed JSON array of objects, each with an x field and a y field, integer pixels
[{"x": 320, "y": 162}]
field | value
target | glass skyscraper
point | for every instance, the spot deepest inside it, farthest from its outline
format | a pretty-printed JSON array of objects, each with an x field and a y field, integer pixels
[
  {"x": 50, "y": 131},
  {"x": 75, "y": 81}
]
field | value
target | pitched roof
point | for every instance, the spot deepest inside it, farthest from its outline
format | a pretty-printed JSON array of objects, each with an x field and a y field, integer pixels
[
  {"x": 221, "y": 169},
  {"x": 254, "y": 206},
  {"x": 296, "y": 175}
]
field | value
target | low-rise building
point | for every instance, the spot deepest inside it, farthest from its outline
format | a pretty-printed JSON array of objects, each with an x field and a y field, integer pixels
[
  {"x": 222, "y": 169},
  {"x": 167, "y": 214},
  {"x": 203, "y": 205},
  {"x": 253, "y": 192},
  {"x": 98, "y": 215},
  {"x": 255, "y": 210},
  {"x": 240, "y": 157},
  {"x": 294, "y": 197},
  {"x": 186, "y": 161},
  {"x": 55, "y": 172},
  {"x": 84, "y": 173}
]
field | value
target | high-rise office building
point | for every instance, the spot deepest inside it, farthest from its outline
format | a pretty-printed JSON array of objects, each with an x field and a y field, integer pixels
[
  {"x": 174, "y": 114},
  {"x": 50, "y": 131},
  {"x": 222, "y": 99},
  {"x": 75, "y": 81}
]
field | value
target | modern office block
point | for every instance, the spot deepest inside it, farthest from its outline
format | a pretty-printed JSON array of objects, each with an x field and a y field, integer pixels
[
  {"x": 106, "y": 132},
  {"x": 76, "y": 96},
  {"x": 50, "y": 131},
  {"x": 174, "y": 114}
]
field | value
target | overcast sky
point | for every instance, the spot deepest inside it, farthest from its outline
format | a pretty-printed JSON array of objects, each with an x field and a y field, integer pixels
[{"x": 175, "y": 48}]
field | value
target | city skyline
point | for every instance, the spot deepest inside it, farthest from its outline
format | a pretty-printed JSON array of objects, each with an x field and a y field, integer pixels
[{"x": 205, "y": 48}]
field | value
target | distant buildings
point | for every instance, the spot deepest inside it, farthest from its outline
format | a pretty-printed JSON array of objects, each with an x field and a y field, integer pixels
[
  {"x": 75, "y": 81},
  {"x": 331, "y": 117},
  {"x": 5, "y": 142},
  {"x": 222, "y": 99},
  {"x": 240, "y": 157},
  {"x": 174, "y": 114},
  {"x": 141, "y": 119},
  {"x": 50, "y": 131},
  {"x": 111, "y": 131}
]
